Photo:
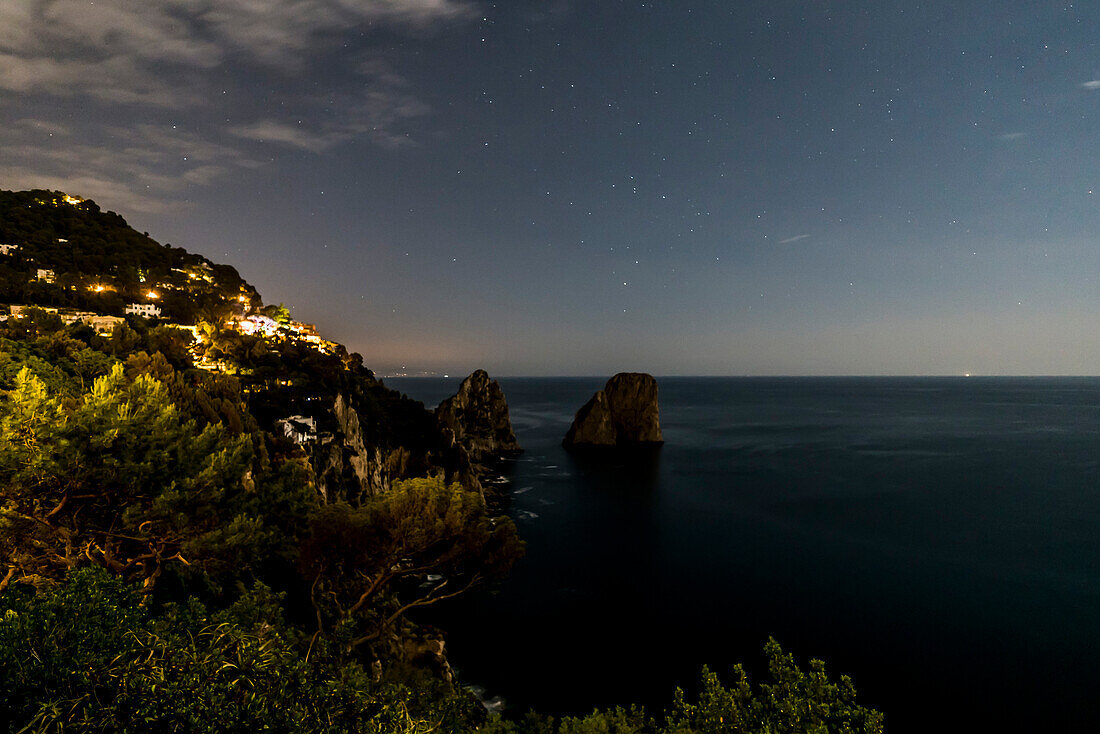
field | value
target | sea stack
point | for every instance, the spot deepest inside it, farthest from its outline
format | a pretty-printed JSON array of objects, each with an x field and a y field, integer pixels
[
  {"x": 477, "y": 416},
  {"x": 624, "y": 413}
]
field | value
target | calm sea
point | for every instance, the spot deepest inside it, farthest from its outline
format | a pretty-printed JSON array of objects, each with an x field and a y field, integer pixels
[{"x": 937, "y": 539}]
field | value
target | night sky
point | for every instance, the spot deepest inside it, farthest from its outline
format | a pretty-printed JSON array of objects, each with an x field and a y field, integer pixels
[{"x": 569, "y": 187}]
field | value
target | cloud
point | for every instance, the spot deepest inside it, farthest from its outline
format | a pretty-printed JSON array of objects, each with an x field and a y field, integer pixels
[
  {"x": 796, "y": 238},
  {"x": 159, "y": 96},
  {"x": 271, "y": 131},
  {"x": 111, "y": 192},
  {"x": 117, "y": 79},
  {"x": 136, "y": 168},
  {"x": 1094, "y": 84},
  {"x": 45, "y": 126},
  {"x": 271, "y": 31},
  {"x": 201, "y": 33}
]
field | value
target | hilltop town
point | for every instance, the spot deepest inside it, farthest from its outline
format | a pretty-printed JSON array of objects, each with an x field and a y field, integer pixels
[{"x": 162, "y": 286}]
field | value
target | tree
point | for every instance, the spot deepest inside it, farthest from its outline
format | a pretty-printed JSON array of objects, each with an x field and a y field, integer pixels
[
  {"x": 88, "y": 656},
  {"x": 795, "y": 702},
  {"x": 416, "y": 545},
  {"x": 122, "y": 480},
  {"x": 280, "y": 313}
]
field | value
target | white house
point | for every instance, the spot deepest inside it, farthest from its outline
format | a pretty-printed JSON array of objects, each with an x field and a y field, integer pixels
[
  {"x": 68, "y": 316},
  {"x": 258, "y": 324},
  {"x": 299, "y": 428},
  {"x": 146, "y": 310},
  {"x": 22, "y": 309},
  {"x": 104, "y": 324},
  {"x": 8, "y": 249},
  {"x": 47, "y": 275}
]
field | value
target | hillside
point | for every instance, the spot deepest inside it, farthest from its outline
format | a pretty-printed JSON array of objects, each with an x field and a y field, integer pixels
[
  {"x": 213, "y": 519},
  {"x": 210, "y": 327},
  {"x": 96, "y": 262}
]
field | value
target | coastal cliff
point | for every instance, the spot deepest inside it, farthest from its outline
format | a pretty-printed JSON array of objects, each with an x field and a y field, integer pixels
[
  {"x": 477, "y": 416},
  {"x": 361, "y": 458},
  {"x": 625, "y": 412},
  {"x": 350, "y": 467},
  {"x": 476, "y": 430}
]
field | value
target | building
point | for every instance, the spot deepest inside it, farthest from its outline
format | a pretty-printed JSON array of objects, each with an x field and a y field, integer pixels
[
  {"x": 18, "y": 309},
  {"x": 68, "y": 316},
  {"x": 46, "y": 275},
  {"x": 8, "y": 249},
  {"x": 104, "y": 324},
  {"x": 258, "y": 324},
  {"x": 146, "y": 310},
  {"x": 303, "y": 329},
  {"x": 299, "y": 428}
]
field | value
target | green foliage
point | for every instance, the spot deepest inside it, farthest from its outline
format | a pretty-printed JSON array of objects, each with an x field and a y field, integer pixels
[
  {"x": 794, "y": 701},
  {"x": 367, "y": 565},
  {"x": 119, "y": 478},
  {"x": 86, "y": 246},
  {"x": 280, "y": 313},
  {"x": 87, "y": 657},
  {"x": 613, "y": 721}
]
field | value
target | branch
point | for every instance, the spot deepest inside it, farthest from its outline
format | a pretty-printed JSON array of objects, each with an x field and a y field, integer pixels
[
  {"x": 316, "y": 606},
  {"x": 421, "y": 602},
  {"x": 60, "y": 506},
  {"x": 311, "y": 641},
  {"x": 366, "y": 595}
]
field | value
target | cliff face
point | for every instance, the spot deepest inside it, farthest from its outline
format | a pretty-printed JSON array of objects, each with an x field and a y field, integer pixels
[
  {"x": 477, "y": 416},
  {"x": 347, "y": 468},
  {"x": 625, "y": 412},
  {"x": 351, "y": 467},
  {"x": 593, "y": 424},
  {"x": 471, "y": 428},
  {"x": 632, "y": 398}
]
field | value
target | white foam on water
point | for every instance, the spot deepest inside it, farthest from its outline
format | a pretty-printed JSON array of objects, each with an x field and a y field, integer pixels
[{"x": 493, "y": 704}]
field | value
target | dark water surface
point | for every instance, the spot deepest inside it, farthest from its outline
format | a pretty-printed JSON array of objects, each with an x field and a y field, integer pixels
[{"x": 938, "y": 539}]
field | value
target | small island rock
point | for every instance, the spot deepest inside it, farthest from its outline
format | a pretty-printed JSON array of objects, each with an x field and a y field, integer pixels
[
  {"x": 477, "y": 416},
  {"x": 625, "y": 412}
]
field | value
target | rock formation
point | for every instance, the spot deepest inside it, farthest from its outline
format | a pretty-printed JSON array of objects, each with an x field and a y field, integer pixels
[
  {"x": 349, "y": 468},
  {"x": 624, "y": 413},
  {"x": 466, "y": 431},
  {"x": 477, "y": 417}
]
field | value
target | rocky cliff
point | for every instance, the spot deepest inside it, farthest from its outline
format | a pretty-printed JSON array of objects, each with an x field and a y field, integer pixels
[
  {"x": 349, "y": 467},
  {"x": 625, "y": 412},
  {"x": 477, "y": 417},
  {"x": 466, "y": 431}
]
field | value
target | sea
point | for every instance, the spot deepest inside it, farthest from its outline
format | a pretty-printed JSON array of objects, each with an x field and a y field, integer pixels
[{"x": 937, "y": 539}]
